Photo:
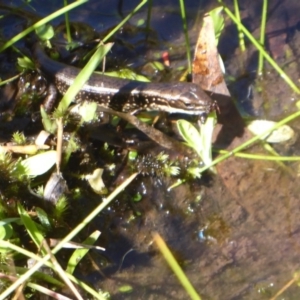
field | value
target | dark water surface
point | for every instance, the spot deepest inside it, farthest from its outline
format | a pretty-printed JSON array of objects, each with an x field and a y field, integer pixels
[{"x": 236, "y": 237}]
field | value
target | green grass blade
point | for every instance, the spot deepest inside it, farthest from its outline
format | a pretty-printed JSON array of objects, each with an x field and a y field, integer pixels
[
  {"x": 31, "y": 228},
  {"x": 78, "y": 254},
  {"x": 40, "y": 23},
  {"x": 106, "y": 38},
  {"x": 149, "y": 11},
  {"x": 186, "y": 36},
  {"x": 175, "y": 267},
  {"x": 252, "y": 140},
  {"x": 69, "y": 237},
  {"x": 67, "y": 22},
  {"x": 270, "y": 60},
  {"x": 218, "y": 21},
  {"x": 83, "y": 77},
  {"x": 26, "y": 276},
  {"x": 262, "y": 36},
  {"x": 238, "y": 17},
  {"x": 46, "y": 292},
  {"x": 261, "y": 156},
  {"x": 38, "y": 276}
]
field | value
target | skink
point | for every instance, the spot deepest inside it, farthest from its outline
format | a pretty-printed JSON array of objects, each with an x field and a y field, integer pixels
[{"x": 128, "y": 95}]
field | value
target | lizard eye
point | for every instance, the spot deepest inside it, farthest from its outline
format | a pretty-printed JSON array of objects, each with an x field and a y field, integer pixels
[
  {"x": 186, "y": 97},
  {"x": 189, "y": 105}
]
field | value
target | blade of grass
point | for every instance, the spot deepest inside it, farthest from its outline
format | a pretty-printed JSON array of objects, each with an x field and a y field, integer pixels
[
  {"x": 280, "y": 163},
  {"x": 175, "y": 267},
  {"x": 270, "y": 60},
  {"x": 260, "y": 156},
  {"x": 40, "y": 23},
  {"x": 47, "y": 292},
  {"x": 252, "y": 140},
  {"x": 67, "y": 238},
  {"x": 238, "y": 17},
  {"x": 61, "y": 273},
  {"x": 149, "y": 11},
  {"x": 187, "y": 42},
  {"x": 89, "y": 68},
  {"x": 35, "y": 257},
  {"x": 262, "y": 36},
  {"x": 31, "y": 228},
  {"x": 38, "y": 276},
  {"x": 82, "y": 78},
  {"x": 4, "y": 82},
  {"x": 272, "y": 156},
  {"x": 106, "y": 38},
  {"x": 79, "y": 254},
  {"x": 286, "y": 286},
  {"x": 67, "y": 22}
]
